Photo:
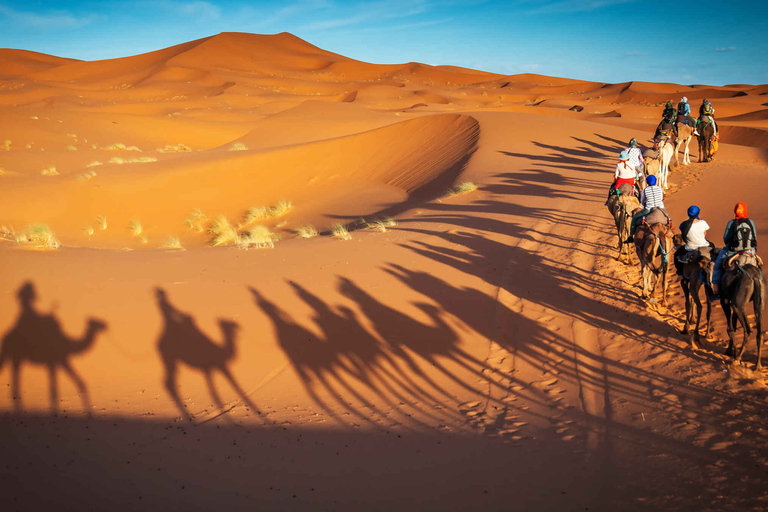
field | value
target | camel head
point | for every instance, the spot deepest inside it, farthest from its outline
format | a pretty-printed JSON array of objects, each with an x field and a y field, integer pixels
[{"x": 96, "y": 325}]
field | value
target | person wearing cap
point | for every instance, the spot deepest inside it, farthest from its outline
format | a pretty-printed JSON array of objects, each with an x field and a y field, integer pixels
[
  {"x": 694, "y": 233},
  {"x": 740, "y": 236},
  {"x": 684, "y": 110},
  {"x": 651, "y": 197}
]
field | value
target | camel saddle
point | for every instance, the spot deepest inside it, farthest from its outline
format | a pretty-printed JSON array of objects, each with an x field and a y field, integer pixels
[
  {"x": 742, "y": 259},
  {"x": 656, "y": 216},
  {"x": 651, "y": 153}
]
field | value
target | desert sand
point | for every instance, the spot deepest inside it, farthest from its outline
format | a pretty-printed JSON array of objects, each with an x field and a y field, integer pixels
[{"x": 482, "y": 350}]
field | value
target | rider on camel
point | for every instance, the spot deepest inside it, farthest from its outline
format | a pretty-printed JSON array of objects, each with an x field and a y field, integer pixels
[
  {"x": 740, "y": 236},
  {"x": 694, "y": 234},
  {"x": 684, "y": 114},
  {"x": 625, "y": 173},
  {"x": 706, "y": 110},
  {"x": 635, "y": 155},
  {"x": 651, "y": 197},
  {"x": 667, "y": 117}
]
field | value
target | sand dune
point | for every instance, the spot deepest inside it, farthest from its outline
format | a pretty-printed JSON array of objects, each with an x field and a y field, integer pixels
[{"x": 480, "y": 350}]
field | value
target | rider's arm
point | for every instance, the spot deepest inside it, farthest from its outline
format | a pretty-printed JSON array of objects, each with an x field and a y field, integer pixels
[
  {"x": 754, "y": 230},
  {"x": 727, "y": 234}
]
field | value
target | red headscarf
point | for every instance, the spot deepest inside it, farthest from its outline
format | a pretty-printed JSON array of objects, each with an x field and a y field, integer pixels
[{"x": 740, "y": 210}]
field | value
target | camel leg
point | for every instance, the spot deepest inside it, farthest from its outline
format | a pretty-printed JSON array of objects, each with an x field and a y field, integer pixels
[
  {"x": 697, "y": 300},
  {"x": 171, "y": 386},
  {"x": 15, "y": 389},
  {"x": 729, "y": 319},
  {"x": 664, "y": 285},
  {"x": 688, "y": 309},
  {"x": 742, "y": 317},
  {"x": 80, "y": 386},
  {"x": 53, "y": 389},
  {"x": 214, "y": 393},
  {"x": 240, "y": 391}
]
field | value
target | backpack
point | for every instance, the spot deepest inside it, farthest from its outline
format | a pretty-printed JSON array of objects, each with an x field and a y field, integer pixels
[
  {"x": 743, "y": 236},
  {"x": 707, "y": 109}
]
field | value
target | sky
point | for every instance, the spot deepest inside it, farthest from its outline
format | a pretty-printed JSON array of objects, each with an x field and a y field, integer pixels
[{"x": 681, "y": 41}]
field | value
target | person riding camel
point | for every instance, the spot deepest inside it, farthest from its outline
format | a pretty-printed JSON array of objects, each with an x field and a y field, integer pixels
[
  {"x": 625, "y": 173},
  {"x": 651, "y": 197},
  {"x": 635, "y": 155},
  {"x": 694, "y": 234},
  {"x": 684, "y": 114},
  {"x": 667, "y": 117},
  {"x": 740, "y": 236},
  {"x": 706, "y": 110}
]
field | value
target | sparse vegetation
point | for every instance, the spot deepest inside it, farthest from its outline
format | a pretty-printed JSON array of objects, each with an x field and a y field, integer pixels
[
  {"x": 37, "y": 235},
  {"x": 136, "y": 228},
  {"x": 50, "y": 171},
  {"x": 174, "y": 148},
  {"x": 196, "y": 220},
  {"x": 88, "y": 230},
  {"x": 120, "y": 147},
  {"x": 381, "y": 225},
  {"x": 95, "y": 163},
  {"x": 86, "y": 176},
  {"x": 462, "y": 188},
  {"x": 71, "y": 148},
  {"x": 172, "y": 242},
  {"x": 101, "y": 221},
  {"x": 6, "y": 145},
  {"x": 305, "y": 231},
  {"x": 222, "y": 232},
  {"x": 260, "y": 237},
  {"x": 3, "y": 172},
  {"x": 340, "y": 231},
  {"x": 238, "y": 146},
  {"x": 140, "y": 160},
  {"x": 262, "y": 212}
]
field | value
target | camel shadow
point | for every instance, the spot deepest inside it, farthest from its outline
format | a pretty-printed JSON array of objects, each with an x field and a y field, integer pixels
[
  {"x": 38, "y": 339},
  {"x": 182, "y": 341}
]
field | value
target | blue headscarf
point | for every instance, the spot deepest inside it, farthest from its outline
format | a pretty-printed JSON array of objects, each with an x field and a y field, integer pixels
[
  {"x": 651, "y": 180},
  {"x": 693, "y": 211}
]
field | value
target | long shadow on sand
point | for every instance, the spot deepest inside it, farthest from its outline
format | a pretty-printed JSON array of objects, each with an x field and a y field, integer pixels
[
  {"x": 37, "y": 338},
  {"x": 183, "y": 342}
]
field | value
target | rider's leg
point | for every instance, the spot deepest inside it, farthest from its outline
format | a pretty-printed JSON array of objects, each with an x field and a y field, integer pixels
[{"x": 717, "y": 270}]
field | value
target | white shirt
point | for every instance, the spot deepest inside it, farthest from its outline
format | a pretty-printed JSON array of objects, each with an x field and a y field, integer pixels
[
  {"x": 697, "y": 235},
  {"x": 624, "y": 170}
]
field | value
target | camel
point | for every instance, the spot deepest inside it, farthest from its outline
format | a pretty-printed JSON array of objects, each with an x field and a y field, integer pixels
[
  {"x": 657, "y": 162},
  {"x": 695, "y": 274},
  {"x": 183, "y": 342},
  {"x": 706, "y": 134},
  {"x": 742, "y": 283},
  {"x": 38, "y": 339},
  {"x": 684, "y": 136},
  {"x": 654, "y": 249},
  {"x": 622, "y": 207}
]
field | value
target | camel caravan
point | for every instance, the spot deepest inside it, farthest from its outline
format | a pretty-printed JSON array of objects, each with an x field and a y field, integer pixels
[{"x": 731, "y": 275}]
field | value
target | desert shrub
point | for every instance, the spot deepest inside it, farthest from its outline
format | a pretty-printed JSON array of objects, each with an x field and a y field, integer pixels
[
  {"x": 95, "y": 163},
  {"x": 136, "y": 228},
  {"x": 222, "y": 232},
  {"x": 71, "y": 148},
  {"x": 50, "y": 171},
  {"x": 39, "y": 235},
  {"x": 172, "y": 242},
  {"x": 259, "y": 237},
  {"x": 196, "y": 220},
  {"x": 340, "y": 231},
  {"x": 101, "y": 221},
  {"x": 238, "y": 146},
  {"x": 462, "y": 188},
  {"x": 305, "y": 231},
  {"x": 174, "y": 148}
]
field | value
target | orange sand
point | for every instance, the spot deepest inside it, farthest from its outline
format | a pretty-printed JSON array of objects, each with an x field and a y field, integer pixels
[{"x": 487, "y": 352}]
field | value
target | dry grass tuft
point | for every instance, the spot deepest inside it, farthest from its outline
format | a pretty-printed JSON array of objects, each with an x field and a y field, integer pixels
[
  {"x": 305, "y": 231},
  {"x": 88, "y": 230},
  {"x": 3, "y": 172},
  {"x": 462, "y": 188},
  {"x": 6, "y": 145},
  {"x": 136, "y": 228},
  {"x": 222, "y": 232},
  {"x": 172, "y": 242},
  {"x": 95, "y": 163},
  {"x": 340, "y": 231},
  {"x": 140, "y": 160},
  {"x": 259, "y": 237},
  {"x": 238, "y": 146},
  {"x": 86, "y": 176},
  {"x": 120, "y": 147},
  {"x": 50, "y": 171},
  {"x": 174, "y": 148},
  {"x": 263, "y": 212},
  {"x": 101, "y": 221},
  {"x": 196, "y": 220},
  {"x": 71, "y": 148},
  {"x": 37, "y": 235}
]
